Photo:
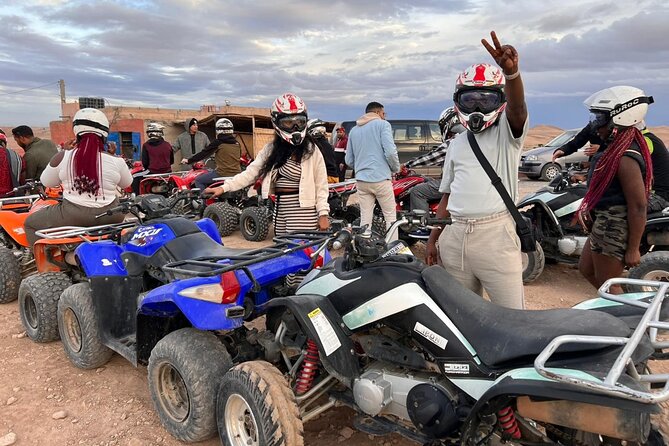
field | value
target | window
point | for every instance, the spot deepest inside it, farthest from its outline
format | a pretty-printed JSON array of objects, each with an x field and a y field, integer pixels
[
  {"x": 435, "y": 133},
  {"x": 408, "y": 132}
]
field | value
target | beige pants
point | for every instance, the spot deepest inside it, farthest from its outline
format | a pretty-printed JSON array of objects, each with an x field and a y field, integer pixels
[
  {"x": 368, "y": 194},
  {"x": 485, "y": 254}
]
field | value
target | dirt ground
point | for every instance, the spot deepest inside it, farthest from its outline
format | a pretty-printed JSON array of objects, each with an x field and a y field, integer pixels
[{"x": 46, "y": 400}]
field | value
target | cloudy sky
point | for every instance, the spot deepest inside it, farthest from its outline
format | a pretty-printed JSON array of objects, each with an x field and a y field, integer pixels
[{"x": 337, "y": 55}]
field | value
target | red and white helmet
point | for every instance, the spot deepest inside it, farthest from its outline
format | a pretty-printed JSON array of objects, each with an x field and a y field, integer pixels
[
  {"x": 479, "y": 96},
  {"x": 289, "y": 118}
]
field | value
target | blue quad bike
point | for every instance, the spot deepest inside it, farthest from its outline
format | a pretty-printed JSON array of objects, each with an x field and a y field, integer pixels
[{"x": 169, "y": 295}]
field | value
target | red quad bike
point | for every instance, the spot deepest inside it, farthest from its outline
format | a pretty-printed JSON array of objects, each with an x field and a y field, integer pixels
[
  {"x": 402, "y": 184},
  {"x": 229, "y": 209},
  {"x": 166, "y": 184}
]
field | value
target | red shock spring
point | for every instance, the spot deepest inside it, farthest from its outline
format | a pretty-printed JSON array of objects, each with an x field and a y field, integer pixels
[
  {"x": 507, "y": 420},
  {"x": 308, "y": 369}
]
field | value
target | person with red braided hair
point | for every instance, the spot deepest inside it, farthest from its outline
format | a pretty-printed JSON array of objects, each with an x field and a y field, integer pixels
[
  {"x": 619, "y": 182},
  {"x": 89, "y": 175}
]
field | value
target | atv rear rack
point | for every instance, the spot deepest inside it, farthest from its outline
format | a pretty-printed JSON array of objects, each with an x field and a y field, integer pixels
[
  {"x": 83, "y": 232},
  {"x": 611, "y": 384},
  {"x": 210, "y": 266},
  {"x": 18, "y": 200}
]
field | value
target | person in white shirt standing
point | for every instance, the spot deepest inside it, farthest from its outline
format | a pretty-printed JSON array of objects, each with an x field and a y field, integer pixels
[
  {"x": 89, "y": 176},
  {"x": 481, "y": 248}
]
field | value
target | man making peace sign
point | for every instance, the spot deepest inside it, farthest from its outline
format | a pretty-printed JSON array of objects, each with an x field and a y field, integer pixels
[{"x": 481, "y": 248}]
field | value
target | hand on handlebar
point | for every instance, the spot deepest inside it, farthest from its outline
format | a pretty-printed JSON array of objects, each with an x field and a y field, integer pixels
[
  {"x": 213, "y": 191},
  {"x": 184, "y": 160},
  {"x": 323, "y": 223}
]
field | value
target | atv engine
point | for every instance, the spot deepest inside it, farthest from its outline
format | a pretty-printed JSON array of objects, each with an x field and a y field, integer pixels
[
  {"x": 429, "y": 404},
  {"x": 160, "y": 189},
  {"x": 571, "y": 245}
]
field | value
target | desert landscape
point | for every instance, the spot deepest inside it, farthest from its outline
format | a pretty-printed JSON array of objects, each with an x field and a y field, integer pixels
[{"x": 44, "y": 399}]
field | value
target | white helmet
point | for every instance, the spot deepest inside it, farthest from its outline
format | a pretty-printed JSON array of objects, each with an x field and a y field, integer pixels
[
  {"x": 289, "y": 118},
  {"x": 90, "y": 120},
  {"x": 155, "y": 130},
  {"x": 624, "y": 106},
  {"x": 479, "y": 96},
  {"x": 224, "y": 126},
  {"x": 449, "y": 122},
  {"x": 316, "y": 127}
]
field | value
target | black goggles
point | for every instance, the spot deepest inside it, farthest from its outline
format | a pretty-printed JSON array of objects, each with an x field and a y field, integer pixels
[
  {"x": 484, "y": 101},
  {"x": 293, "y": 123},
  {"x": 599, "y": 119}
]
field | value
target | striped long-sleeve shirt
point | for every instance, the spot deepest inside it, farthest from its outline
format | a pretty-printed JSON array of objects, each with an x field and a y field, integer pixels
[{"x": 434, "y": 157}]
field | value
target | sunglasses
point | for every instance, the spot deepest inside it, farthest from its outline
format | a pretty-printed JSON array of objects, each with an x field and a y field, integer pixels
[
  {"x": 484, "y": 101},
  {"x": 292, "y": 123}
]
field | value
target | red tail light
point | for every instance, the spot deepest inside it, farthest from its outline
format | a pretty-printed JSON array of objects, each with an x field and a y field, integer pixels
[
  {"x": 231, "y": 287},
  {"x": 310, "y": 251},
  {"x": 225, "y": 292}
]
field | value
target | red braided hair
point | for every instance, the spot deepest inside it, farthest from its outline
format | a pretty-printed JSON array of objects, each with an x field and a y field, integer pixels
[
  {"x": 85, "y": 168},
  {"x": 607, "y": 167}
]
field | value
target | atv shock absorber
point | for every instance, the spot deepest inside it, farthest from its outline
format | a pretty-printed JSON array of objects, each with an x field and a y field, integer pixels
[
  {"x": 507, "y": 421},
  {"x": 308, "y": 369}
]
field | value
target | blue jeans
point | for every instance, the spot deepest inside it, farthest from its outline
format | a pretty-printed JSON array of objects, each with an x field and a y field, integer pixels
[{"x": 204, "y": 180}]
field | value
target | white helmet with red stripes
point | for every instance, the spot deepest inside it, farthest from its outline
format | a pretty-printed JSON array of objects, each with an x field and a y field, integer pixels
[
  {"x": 479, "y": 96},
  {"x": 289, "y": 118}
]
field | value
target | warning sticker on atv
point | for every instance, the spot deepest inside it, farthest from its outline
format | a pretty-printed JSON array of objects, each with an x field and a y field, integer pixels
[
  {"x": 430, "y": 335},
  {"x": 460, "y": 369},
  {"x": 326, "y": 333}
]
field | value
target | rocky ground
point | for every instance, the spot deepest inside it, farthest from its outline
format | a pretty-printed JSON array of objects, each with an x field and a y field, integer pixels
[{"x": 46, "y": 400}]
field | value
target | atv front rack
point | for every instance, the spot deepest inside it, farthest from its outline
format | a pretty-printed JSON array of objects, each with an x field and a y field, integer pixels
[
  {"x": 211, "y": 266},
  {"x": 611, "y": 385},
  {"x": 84, "y": 232}
]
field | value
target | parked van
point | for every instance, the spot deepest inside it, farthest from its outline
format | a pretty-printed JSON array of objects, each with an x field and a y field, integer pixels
[{"x": 412, "y": 138}]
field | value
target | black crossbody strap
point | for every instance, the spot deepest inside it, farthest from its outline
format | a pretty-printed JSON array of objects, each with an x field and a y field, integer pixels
[{"x": 521, "y": 224}]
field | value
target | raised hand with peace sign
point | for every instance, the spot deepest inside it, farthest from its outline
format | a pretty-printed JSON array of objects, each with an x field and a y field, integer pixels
[{"x": 506, "y": 57}]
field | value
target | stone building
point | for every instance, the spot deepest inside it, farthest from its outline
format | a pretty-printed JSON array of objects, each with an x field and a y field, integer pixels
[{"x": 128, "y": 124}]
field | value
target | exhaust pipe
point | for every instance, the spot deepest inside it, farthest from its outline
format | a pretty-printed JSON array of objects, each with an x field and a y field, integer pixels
[{"x": 607, "y": 421}]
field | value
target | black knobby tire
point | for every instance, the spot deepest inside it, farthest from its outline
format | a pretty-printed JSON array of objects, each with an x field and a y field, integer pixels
[
  {"x": 533, "y": 264},
  {"x": 10, "y": 276},
  {"x": 224, "y": 215},
  {"x": 185, "y": 369},
  {"x": 653, "y": 266},
  {"x": 255, "y": 405},
  {"x": 379, "y": 225},
  {"x": 254, "y": 223},
  {"x": 179, "y": 206},
  {"x": 38, "y": 305},
  {"x": 350, "y": 215},
  {"x": 79, "y": 328}
]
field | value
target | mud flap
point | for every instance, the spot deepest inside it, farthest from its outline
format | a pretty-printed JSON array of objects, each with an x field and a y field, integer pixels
[{"x": 321, "y": 322}]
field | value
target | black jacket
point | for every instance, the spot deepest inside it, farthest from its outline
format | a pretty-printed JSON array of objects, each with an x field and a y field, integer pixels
[{"x": 328, "y": 155}]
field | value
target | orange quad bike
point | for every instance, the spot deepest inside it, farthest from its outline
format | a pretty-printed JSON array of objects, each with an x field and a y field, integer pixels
[
  {"x": 56, "y": 269},
  {"x": 15, "y": 255}
]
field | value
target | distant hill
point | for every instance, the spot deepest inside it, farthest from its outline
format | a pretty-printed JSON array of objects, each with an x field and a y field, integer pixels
[
  {"x": 541, "y": 134},
  {"x": 537, "y": 135}
]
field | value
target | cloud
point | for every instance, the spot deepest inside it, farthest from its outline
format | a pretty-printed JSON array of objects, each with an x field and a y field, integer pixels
[{"x": 338, "y": 54}]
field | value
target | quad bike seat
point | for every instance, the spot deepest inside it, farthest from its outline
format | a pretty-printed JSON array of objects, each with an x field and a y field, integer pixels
[
  {"x": 502, "y": 335},
  {"x": 191, "y": 243}
]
